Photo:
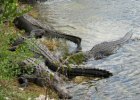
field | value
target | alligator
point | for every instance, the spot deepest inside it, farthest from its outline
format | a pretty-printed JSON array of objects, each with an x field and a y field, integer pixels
[
  {"x": 105, "y": 49},
  {"x": 35, "y": 27},
  {"x": 99, "y": 51}
]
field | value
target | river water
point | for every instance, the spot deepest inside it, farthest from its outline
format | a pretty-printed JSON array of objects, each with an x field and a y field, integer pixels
[{"x": 96, "y": 21}]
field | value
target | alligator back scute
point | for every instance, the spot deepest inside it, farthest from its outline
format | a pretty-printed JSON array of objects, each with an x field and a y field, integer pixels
[{"x": 124, "y": 39}]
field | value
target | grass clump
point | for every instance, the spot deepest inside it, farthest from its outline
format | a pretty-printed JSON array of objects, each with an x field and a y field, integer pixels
[
  {"x": 52, "y": 44},
  {"x": 76, "y": 59}
]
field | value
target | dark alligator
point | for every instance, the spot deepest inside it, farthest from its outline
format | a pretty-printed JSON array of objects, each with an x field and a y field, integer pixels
[
  {"x": 105, "y": 49},
  {"x": 32, "y": 1},
  {"x": 35, "y": 27}
]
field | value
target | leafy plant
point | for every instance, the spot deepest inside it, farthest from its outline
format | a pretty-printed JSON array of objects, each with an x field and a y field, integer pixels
[
  {"x": 10, "y": 9},
  {"x": 9, "y": 60}
]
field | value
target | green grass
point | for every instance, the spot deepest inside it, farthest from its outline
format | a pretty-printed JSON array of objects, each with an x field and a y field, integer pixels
[
  {"x": 9, "y": 86},
  {"x": 9, "y": 67},
  {"x": 13, "y": 92},
  {"x": 77, "y": 58},
  {"x": 9, "y": 60}
]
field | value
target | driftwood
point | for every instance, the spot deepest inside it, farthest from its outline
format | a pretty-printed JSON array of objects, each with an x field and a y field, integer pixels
[{"x": 44, "y": 77}]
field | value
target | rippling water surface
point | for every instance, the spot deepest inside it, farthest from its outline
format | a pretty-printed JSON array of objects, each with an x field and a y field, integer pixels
[{"x": 96, "y": 21}]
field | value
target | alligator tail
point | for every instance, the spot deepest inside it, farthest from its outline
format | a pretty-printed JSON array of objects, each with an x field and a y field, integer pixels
[
  {"x": 124, "y": 39},
  {"x": 89, "y": 72}
]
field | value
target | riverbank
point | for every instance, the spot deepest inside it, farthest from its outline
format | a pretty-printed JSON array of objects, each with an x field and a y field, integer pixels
[
  {"x": 9, "y": 86},
  {"x": 48, "y": 64}
]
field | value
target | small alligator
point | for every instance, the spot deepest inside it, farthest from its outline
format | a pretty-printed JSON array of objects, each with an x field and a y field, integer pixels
[{"x": 105, "y": 49}]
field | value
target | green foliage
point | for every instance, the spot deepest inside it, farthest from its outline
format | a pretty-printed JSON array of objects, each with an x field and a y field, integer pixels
[
  {"x": 9, "y": 68},
  {"x": 9, "y": 9},
  {"x": 1, "y": 97},
  {"x": 9, "y": 60},
  {"x": 77, "y": 58}
]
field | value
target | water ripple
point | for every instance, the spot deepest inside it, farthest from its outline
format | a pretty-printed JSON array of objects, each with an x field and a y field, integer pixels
[{"x": 96, "y": 21}]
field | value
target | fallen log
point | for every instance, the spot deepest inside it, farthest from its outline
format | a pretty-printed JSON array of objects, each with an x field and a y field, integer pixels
[{"x": 44, "y": 77}]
